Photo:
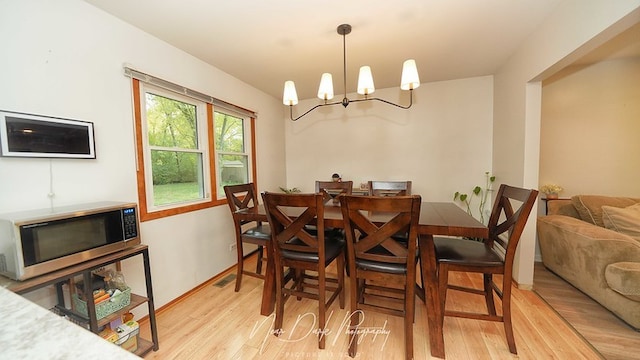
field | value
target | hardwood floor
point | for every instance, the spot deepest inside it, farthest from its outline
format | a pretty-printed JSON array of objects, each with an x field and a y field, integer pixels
[
  {"x": 216, "y": 323},
  {"x": 614, "y": 339}
]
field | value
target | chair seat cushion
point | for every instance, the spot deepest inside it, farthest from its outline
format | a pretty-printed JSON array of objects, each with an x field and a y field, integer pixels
[
  {"x": 333, "y": 246},
  {"x": 261, "y": 232},
  {"x": 402, "y": 237},
  {"x": 468, "y": 252},
  {"x": 384, "y": 267},
  {"x": 328, "y": 231}
]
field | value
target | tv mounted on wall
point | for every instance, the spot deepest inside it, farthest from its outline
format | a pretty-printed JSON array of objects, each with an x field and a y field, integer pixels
[{"x": 28, "y": 135}]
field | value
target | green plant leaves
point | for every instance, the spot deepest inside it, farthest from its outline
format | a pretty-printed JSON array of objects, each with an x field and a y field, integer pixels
[{"x": 477, "y": 191}]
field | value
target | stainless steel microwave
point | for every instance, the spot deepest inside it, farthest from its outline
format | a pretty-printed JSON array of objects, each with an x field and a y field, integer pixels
[{"x": 36, "y": 242}]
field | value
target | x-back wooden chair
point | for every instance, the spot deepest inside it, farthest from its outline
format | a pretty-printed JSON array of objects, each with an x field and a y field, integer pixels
[
  {"x": 376, "y": 258},
  {"x": 389, "y": 188},
  {"x": 300, "y": 250},
  {"x": 493, "y": 256},
  {"x": 331, "y": 189},
  {"x": 253, "y": 232}
]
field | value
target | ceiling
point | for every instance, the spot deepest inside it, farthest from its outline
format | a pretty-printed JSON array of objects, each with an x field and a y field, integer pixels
[{"x": 265, "y": 43}]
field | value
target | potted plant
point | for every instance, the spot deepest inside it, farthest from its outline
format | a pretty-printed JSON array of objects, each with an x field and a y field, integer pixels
[{"x": 551, "y": 190}]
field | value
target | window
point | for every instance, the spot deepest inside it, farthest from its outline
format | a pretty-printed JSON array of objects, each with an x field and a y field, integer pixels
[
  {"x": 187, "y": 151},
  {"x": 175, "y": 151},
  {"x": 232, "y": 157}
]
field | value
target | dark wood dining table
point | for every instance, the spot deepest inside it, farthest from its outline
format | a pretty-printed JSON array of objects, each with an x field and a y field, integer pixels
[{"x": 436, "y": 218}]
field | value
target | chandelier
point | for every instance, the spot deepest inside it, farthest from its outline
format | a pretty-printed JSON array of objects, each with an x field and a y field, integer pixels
[{"x": 409, "y": 81}]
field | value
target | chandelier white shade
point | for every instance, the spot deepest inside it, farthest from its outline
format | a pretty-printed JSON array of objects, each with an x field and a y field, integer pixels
[
  {"x": 325, "y": 91},
  {"x": 290, "y": 97},
  {"x": 365, "y": 81},
  {"x": 409, "y": 81}
]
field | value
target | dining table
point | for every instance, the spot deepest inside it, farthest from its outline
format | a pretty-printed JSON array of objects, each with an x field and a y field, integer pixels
[{"x": 436, "y": 218}]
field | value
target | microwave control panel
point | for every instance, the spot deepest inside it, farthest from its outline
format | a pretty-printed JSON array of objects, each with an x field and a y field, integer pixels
[{"x": 130, "y": 223}]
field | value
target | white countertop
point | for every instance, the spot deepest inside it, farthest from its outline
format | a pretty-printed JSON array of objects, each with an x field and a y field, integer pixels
[{"x": 31, "y": 332}]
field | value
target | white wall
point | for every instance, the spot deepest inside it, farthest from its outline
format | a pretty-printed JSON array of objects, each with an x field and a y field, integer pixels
[
  {"x": 590, "y": 125},
  {"x": 442, "y": 143},
  {"x": 574, "y": 28},
  {"x": 65, "y": 59}
]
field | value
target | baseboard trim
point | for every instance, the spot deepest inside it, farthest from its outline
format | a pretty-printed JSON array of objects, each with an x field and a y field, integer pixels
[{"x": 180, "y": 298}]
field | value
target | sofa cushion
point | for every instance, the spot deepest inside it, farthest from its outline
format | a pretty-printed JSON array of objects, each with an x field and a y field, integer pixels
[
  {"x": 624, "y": 278},
  {"x": 623, "y": 220},
  {"x": 590, "y": 206},
  {"x": 562, "y": 207}
]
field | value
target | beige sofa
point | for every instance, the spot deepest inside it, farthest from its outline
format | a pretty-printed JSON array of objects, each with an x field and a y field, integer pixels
[{"x": 593, "y": 242}]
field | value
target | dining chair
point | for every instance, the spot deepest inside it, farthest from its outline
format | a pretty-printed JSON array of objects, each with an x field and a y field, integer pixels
[
  {"x": 494, "y": 255},
  {"x": 253, "y": 232},
  {"x": 331, "y": 189},
  {"x": 389, "y": 188},
  {"x": 377, "y": 261},
  {"x": 394, "y": 188},
  {"x": 299, "y": 250}
]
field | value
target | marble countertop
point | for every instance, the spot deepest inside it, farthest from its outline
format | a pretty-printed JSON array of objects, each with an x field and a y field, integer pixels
[{"x": 31, "y": 332}]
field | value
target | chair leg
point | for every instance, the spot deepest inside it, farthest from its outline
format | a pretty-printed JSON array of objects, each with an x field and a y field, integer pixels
[
  {"x": 347, "y": 269},
  {"x": 355, "y": 314},
  {"x": 299, "y": 282},
  {"x": 409, "y": 315},
  {"x": 443, "y": 283},
  {"x": 341, "y": 269},
  {"x": 488, "y": 293},
  {"x": 259, "y": 262},
  {"x": 353, "y": 334},
  {"x": 322, "y": 307},
  {"x": 362, "y": 284},
  {"x": 279, "y": 299},
  {"x": 422, "y": 288},
  {"x": 240, "y": 266},
  {"x": 506, "y": 317}
]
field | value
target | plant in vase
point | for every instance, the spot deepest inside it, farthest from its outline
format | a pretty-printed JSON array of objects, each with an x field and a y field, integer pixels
[{"x": 551, "y": 191}]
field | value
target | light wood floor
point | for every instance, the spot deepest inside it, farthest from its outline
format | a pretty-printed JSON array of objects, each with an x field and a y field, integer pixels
[
  {"x": 217, "y": 323},
  {"x": 614, "y": 339}
]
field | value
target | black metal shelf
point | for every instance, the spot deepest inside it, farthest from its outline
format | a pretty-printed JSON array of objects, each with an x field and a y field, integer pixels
[{"x": 60, "y": 277}]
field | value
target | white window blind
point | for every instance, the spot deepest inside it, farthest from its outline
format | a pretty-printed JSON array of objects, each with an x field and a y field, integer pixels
[{"x": 167, "y": 85}]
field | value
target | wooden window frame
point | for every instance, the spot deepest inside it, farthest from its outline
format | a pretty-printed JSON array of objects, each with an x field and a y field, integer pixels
[{"x": 145, "y": 214}]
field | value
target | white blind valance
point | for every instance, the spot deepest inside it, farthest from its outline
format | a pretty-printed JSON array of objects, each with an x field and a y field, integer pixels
[{"x": 167, "y": 85}]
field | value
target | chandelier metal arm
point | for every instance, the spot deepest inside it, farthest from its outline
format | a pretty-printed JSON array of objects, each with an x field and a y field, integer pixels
[
  {"x": 345, "y": 102},
  {"x": 310, "y": 110},
  {"x": 389, "y": 102}
]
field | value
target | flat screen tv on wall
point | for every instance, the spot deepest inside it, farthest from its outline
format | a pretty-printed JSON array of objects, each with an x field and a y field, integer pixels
[{"x": 28, "y": 135}]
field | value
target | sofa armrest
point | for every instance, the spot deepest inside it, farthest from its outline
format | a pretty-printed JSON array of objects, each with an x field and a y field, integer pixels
[
  {"x": 599, "y": 262},
  {"x": 624, "y": 278}
]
